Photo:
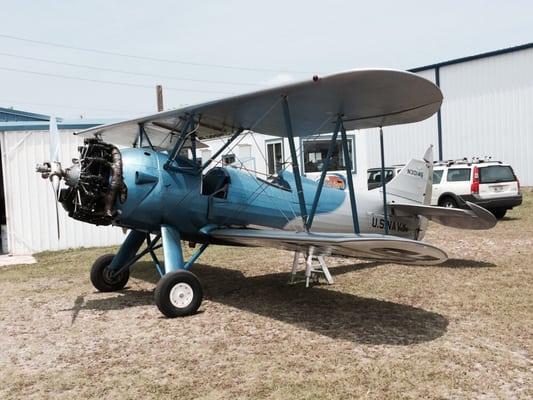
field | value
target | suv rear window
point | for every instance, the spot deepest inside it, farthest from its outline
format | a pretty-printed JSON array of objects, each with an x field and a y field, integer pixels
[
  {"x": 495, "y": 174},
  {"x": 458, "y": 175}
]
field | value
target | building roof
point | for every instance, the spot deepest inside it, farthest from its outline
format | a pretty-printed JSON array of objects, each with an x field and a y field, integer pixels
[
  {"x": 9, "y": 114},
  {"x": 474, "y": 57},
  {"x": 17, "y": 120}
]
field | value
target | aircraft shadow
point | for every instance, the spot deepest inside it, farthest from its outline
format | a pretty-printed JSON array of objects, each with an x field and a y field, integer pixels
[
  {"x": 320, "y": 309},
  {"x": 464, "y": 263}
]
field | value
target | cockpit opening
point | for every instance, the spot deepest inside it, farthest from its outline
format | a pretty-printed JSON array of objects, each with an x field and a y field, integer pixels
[{"x": 215, "y": 183}]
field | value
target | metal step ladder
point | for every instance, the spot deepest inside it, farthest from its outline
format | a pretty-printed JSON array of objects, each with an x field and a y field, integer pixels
[{"x": 315, "y": 267}]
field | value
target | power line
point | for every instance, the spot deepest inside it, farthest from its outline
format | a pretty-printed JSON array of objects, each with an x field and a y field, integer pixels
[
  {"x": 79, "y": 108},
  {"x": 93, "y": 67},
  {"x": 135, "y": 56},
  {"x": 110, "y": 82}
]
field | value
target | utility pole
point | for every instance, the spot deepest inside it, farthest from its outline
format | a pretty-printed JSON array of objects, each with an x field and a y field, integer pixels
[{"x": 159, "y": 94}]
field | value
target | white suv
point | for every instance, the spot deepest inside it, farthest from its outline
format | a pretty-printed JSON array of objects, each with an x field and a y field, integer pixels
[{"x": 490, "y": 184}]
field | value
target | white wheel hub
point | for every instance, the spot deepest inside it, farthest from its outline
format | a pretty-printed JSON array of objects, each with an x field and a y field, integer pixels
[{"x": 181, "y": 295}]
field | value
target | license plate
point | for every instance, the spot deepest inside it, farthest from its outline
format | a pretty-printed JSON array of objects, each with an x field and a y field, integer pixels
[{"x": 497, "y": 188}]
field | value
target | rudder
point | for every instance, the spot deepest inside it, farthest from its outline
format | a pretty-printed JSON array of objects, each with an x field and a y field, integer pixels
[{"x": 414, "y": 181}]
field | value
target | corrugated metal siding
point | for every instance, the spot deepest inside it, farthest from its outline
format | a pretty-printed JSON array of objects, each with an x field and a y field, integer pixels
[
  {"x": 403, "y": 142},
  {"x": 488, "y": 110},
  {"x": 30, "y": 200}
]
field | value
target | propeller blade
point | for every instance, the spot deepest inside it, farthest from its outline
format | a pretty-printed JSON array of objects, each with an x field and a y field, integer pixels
[
  {"x": 54, "y": 140},
  {"x": 57, "y": 222},
  {"x": 55, "y": 187}
]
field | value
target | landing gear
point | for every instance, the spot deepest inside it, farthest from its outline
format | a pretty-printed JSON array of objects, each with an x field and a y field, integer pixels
[
  {"x": 104, "y": 278},
  {"x": 178, "y": 294}
]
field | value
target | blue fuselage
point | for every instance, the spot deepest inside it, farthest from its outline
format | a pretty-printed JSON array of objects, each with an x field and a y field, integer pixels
[{"x": 228, "y": 197}]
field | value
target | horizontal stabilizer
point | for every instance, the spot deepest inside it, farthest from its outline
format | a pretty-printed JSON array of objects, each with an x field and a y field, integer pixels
[
  {"x": 369, "y": 246},
  {"x": 475, "y": 218}
]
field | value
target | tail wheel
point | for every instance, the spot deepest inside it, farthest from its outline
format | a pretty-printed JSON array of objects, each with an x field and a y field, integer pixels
[
  {"x": 104, "y": 278},
  {"x": 178, "y": 294},
  {"x": 448, "y": 202}
]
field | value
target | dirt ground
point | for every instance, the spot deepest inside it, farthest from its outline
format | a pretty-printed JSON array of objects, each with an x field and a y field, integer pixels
[{"x": 463, "y": 329}]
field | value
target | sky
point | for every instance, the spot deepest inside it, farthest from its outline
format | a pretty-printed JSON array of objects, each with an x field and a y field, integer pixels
[{"x": 201, "y": 50}]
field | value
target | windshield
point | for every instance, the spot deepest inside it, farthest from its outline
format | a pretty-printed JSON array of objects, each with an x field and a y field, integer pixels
[{"x": 495, "y": 174}]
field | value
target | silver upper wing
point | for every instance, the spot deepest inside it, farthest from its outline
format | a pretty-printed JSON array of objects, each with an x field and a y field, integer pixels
[
  {"x": 367, "y": 246},
  {"x": 365, "y": 98}
]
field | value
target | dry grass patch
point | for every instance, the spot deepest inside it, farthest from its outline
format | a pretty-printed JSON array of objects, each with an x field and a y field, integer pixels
[{"x": 460, "y": 330}]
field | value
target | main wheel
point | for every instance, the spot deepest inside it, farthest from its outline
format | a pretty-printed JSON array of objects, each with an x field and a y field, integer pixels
[
  {"x": 499, "y": 213},
  {"x": 178, "y": 294},
  {"x": 448, "y": 202},
  {"x": 102, "y": 276}
]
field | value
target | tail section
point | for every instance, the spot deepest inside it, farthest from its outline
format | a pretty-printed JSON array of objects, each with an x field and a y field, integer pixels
[{"x": 414, "y": 181}]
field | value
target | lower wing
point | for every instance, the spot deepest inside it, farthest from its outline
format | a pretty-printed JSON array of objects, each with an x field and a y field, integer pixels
[
  {"x": 370, "y": 247},
  {"x": 475, "y": 217}
]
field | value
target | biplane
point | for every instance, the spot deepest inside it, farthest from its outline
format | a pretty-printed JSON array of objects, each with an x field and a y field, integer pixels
[{"x": 144, "y": 175}]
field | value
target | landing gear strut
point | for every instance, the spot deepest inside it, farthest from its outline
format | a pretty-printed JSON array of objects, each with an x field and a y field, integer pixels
[{"x": 178, "y": 293}]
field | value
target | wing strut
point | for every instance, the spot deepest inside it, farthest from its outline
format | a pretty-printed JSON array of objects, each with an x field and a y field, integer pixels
[
  {"x": 224, "y": 147},
  {"x": 325, "y": 167},
  {"x": 294, "y": 158},
  {"x": 383, "y": 183},
  {"x": 349, "y": 178},
  {"x": 179, "y": 143},
  {"x": 339, "y": 126}
]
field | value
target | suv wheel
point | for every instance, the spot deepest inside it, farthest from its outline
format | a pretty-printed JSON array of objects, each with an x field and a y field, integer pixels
[
  {"x": 448, "y": 202},
  {"x": 499, "y": 213}
]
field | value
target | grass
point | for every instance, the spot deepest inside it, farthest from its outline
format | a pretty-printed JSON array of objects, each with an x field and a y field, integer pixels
[{"x": 459, "y": 330}]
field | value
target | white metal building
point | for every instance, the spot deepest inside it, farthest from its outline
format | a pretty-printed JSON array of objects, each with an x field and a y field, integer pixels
[
  {"x": 29, "y": 215},
  {"x": 487, "y": 111}
]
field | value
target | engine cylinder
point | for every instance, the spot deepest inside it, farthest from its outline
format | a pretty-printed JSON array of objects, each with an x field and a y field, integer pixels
[{"x": 94, "y": 183}]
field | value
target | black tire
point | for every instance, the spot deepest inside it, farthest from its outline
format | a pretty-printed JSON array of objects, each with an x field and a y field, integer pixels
[
  {"x": 499, "y": 213},
  {"x": 448, "y": 201},
  {"x": 189, "y": 292},
  {"x": 101, "y": 275}
]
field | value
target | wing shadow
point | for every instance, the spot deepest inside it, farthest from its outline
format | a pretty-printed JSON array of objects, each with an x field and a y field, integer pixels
[
  {"x": 319, "y": 309},
  {"x": 462, "y": 263}
]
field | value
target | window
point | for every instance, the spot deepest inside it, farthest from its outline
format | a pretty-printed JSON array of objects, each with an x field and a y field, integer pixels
[
  {"x": 495, "y": 174},
  {"x": 437, "y": 176},
  {"x": 458, "y": 175},
  {"x": 228, "y": 159},
  {"x": 374, "y": 175},
  {"x": 274, "y": 157},
  {"x": 316, "y": 150}
]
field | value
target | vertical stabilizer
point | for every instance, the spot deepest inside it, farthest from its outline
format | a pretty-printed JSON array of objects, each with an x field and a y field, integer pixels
[{"x": 414, "y": 181}]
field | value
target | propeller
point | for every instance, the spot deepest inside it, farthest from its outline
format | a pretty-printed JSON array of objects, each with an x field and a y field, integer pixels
[
  {"x": 55, "y": 166},
  {"x": 52, "y": 169}
]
